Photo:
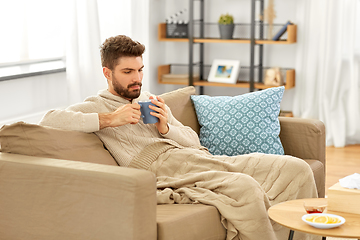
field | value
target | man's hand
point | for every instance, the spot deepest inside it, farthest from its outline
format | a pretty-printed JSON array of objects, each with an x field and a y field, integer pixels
[
  {"x": 125, "y": 114},
  {"x": 161, "y": 113}
]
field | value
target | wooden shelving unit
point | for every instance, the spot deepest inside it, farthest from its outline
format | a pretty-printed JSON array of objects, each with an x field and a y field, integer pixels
[
  {"x": 250, "y": 83},
  {"x": 289, "y": 77}
]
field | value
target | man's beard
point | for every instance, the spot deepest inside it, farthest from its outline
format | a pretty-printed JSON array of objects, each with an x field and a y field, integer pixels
[{"x": 126, "y": 92}]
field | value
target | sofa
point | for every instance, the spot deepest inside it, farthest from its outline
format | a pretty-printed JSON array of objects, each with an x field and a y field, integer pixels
[{"x": 57, "y": 184}]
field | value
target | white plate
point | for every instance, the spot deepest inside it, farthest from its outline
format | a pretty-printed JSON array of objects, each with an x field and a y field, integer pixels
[{"x": 323, "y": 225}]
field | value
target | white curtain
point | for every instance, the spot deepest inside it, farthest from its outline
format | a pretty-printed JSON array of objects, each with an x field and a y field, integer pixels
[
  {"x": 83, "y": 64},
  {"x": 140, "y": 28},
  {"x": 328, "y": 67}
]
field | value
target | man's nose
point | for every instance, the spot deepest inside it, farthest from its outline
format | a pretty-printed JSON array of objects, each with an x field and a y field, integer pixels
[{"x": 138, "y": 77}]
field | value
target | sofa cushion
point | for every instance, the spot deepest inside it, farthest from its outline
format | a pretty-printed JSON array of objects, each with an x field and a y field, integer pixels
[
  {"x": 182, "y": 107},
  {"x": 189, "y": 221},
  {"x": 40, "y": 141},
  {"x": 242, "y": 124}
]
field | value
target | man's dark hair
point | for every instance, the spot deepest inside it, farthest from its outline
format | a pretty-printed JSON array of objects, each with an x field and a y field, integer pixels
[{"x": 119, "y": 46}]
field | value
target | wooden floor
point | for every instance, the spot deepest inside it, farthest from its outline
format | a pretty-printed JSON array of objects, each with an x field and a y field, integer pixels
[{"x": 341, "y": 162}]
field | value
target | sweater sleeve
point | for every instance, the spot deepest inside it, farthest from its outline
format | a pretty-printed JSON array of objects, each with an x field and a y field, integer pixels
[
  {"x": 181, "y": 134},
  {"x": 81, "y": 117}
]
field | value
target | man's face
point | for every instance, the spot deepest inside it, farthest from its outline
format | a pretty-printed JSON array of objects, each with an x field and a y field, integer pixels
[{"x": 125, "y": 80}]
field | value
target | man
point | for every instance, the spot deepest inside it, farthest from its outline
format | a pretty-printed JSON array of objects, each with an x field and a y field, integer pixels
[{"x": 241, "y": 187}]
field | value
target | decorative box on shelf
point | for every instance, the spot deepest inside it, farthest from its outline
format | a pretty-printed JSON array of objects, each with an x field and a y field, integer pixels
[
  {"x": 342, "y": 199},
  {"x": 177, "y": 30}
]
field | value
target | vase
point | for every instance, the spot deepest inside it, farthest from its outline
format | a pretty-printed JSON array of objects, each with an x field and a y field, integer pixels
[{"x": 226, "y": 31}]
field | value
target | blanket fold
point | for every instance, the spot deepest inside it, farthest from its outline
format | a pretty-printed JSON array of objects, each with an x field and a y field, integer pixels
[{"x": 149, "y": 154}]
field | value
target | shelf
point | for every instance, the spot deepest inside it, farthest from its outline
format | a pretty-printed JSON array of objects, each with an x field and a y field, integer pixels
[
  {"x": 290, "y": 80},
  {"x": 162, "y": 35},
  {"x": 291, "y": 33},
  {"x": 286, "y": 114}
]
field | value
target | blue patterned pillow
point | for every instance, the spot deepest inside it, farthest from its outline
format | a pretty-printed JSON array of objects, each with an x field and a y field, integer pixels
[{"x": 242, "y": 124}]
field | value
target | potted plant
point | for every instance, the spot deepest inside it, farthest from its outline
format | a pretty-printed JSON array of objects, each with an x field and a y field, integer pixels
[{"x": 226, "y": 26}]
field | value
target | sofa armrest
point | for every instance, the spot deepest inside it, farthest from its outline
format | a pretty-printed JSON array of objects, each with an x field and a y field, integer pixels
[
  {"x": 303, "y": 138},
  {"x": 43, "y": 198}
]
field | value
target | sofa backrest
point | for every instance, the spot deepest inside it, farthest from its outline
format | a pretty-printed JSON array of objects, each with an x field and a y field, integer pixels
[
  {"x": 303, "y": 138},
  {"x": 35, "y": 140},
  {"x": 182, "y": 107}
]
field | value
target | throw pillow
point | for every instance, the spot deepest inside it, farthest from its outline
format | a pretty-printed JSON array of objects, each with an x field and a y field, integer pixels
[
  {"x": 242, "y": 124},
  {"x": 35, "y": 140}
]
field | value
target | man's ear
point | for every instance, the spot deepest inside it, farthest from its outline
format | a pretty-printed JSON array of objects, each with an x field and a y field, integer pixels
[{"x": 107, "y": 73}]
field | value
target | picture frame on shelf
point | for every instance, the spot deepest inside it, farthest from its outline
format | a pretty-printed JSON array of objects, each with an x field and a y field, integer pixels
[{"x": 224, "y": 71}]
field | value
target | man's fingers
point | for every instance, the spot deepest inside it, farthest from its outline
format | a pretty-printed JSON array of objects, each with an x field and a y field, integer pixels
[{"x": 136, "y": 106}]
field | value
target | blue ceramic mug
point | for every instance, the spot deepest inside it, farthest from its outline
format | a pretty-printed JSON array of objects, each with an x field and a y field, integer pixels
[{"x": 145, "y": 112}]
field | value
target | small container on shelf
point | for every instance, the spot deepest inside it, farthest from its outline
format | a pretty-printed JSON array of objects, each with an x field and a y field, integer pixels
[{"x": 177, "y": 30}]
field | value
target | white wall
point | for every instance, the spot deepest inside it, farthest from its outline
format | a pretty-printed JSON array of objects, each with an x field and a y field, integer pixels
[{"x": 27, "y": 99}]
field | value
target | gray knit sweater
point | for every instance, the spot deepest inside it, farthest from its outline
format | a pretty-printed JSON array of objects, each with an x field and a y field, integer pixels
[{"x": 124, "y": 142}]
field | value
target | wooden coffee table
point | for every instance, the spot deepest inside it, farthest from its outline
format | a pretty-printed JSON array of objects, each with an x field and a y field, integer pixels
[{"x": 289, "y": 215}]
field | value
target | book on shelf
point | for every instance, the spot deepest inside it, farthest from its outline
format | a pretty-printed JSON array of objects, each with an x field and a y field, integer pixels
[
  {"x": 281, "y": 32},
  {"x": 180, "y": 78}
]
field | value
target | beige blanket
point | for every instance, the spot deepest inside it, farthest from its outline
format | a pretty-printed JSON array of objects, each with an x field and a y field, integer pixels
[{"x": 242, "y": 188}]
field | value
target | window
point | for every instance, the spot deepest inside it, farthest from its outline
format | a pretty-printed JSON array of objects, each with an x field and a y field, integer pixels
[{"x": 32, "y": 30}]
